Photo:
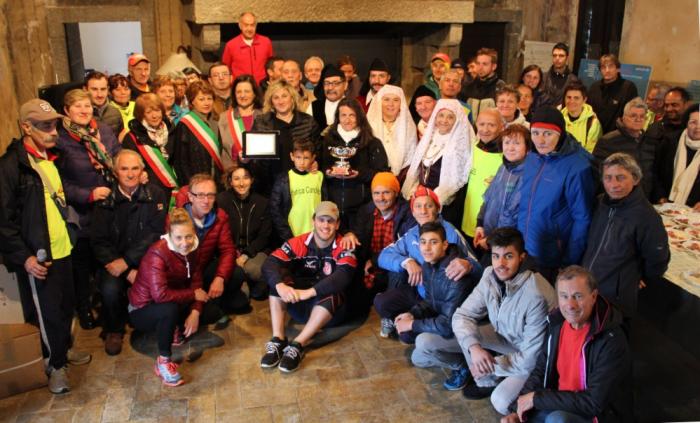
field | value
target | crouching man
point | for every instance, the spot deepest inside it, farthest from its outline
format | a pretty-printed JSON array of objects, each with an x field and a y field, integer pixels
[{"x": 307, "y": 277}]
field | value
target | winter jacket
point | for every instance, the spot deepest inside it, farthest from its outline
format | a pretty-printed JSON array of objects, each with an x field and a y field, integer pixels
[
  {"x": 586, "y": 128},
  {"x": 481, "y": 94},
  {"x": 244, "y": 59},
  {"x": 138, "y": 131},
  {"x": 367, "y": 161},
  {"x": 302, "y": 127},
  {"x": 443, "y": 295},
  {"x": 502, "y": 198},
  {"x": 77, "y": 173},
  {"x": 124, "y": 228},
  {"x": 627, "y": 242},
  {"x": 363, "y": 227},
  {"x": 666, "y": 135},
  {"x": 555, "y": 204},
  {"x": 249, "y": 221},
  {"x": 553, "y": 84},
  {"x": 606, "y": 362},
  {"x": 608, "y": 100},
  {"x": 110, "y": 116},
  {"x": 518, "y": 316},
  {"x": 642, "y": 148},
  {"x": 281, "y": 203},
  {"x": 189, "y": 157},
  {"x": 166, "y": 276},
  {"x": 23, "y": 223}
]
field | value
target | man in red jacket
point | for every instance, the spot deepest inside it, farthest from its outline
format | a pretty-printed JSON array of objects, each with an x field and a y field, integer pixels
[{"x": 248, "y": 52}]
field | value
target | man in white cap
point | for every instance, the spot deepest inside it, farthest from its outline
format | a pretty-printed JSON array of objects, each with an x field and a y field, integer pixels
[{"x": 36, "y": 241}]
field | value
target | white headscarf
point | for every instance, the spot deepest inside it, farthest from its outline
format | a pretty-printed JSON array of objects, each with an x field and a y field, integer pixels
[
  {"x": 399, "y": 150},
  {"x": 456, "y": 165},
  {"x": 685, "y": 169}
]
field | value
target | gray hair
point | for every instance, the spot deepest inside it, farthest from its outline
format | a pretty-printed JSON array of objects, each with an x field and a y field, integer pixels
[
  {"x": 635, "y": 103},
  {"x": 127, "y": 152},
  {"x": 575, "y": 271},
  {"x": 312, "y": 58},
  {"x": 626, "y": 162}
]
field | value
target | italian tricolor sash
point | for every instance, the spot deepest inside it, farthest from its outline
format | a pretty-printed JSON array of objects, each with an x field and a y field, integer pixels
[
  {"x": 157, "y": 163},
  {"x": 237, "y": 129},
  {"x": 206, "y": 137}
]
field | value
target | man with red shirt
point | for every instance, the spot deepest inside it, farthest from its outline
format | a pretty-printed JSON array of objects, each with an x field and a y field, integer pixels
[
  {"x": 247, "y": 53},
  {"x": 583, "y": 373}
]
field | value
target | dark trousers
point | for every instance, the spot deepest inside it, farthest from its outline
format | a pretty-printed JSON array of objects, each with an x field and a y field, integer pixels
[
  {"x": 231, "y": 299},
  {"x": 114, "y": 302},
  {"x": 395, "y": 301},
  {"x": 54, "y": 300},
  {"x": 84, "y": 265}
]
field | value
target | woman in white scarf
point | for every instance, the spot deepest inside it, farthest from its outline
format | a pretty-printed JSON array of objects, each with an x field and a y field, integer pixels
[
  {"x": 440, "y": 138},
  {"x": 391, "y": 122},
  {"x": 685, "y": 188}
]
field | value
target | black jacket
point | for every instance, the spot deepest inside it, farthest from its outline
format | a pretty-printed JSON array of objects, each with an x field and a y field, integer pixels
[
  {"x": 318, "y": 108},
  {"x": 23, "y": 222},
  {"x": 249, "y": 220},
  {"x": 627, "y": 242},
  {"x": 281, "y": 204},
  {"x": 643, "y": 149},
  {"x": 123, "y": 228},
  {"x": 552, "y": 86},
  {"x": 608, "y": 100},
  {"x": 363, "y": 227},
  {"x": 666, "y": 135},
  {"x": 137, "y": 129},
  {"x": 443, "y": 295},
  {"x": 480, "y": 89},
  {"x": 367, "y": 161},
  {"x": 189, "y": 157},
  {"x": 608, "y": 370}
]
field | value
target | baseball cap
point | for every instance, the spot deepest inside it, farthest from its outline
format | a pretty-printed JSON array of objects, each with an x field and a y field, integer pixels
[
  {"x": 137, "y": 58},
  {"x": 38, "y": 110},
  {"x": 327, "y": 208}
]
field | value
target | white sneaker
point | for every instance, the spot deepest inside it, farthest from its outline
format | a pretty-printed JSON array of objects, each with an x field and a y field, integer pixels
[{"x": 58, "y": 381}]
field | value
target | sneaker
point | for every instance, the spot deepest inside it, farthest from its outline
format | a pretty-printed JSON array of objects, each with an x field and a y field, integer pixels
[
  {"x": 273, "y": 352},
  {"x": 167, "y": 371},
  {"x": 78, "y": 358},
  {"x": 458, "y": 379},
  {"x": 58, "y": 381},
  {"x": 292, "y": 357},
  {"x": 476, "y": 392},
  {"x": 178, "y": 338},
  {"x": 387, "y": 328},
  {"x": 113, "y": 343}
]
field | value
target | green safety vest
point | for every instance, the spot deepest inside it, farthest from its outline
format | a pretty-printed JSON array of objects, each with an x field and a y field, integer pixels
[
  {"x": 306, "y": 194},
  {"x": 484, "y": 168}
]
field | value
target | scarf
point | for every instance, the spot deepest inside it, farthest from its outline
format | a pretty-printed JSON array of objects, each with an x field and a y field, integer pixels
[
  {"x": 158, "y": 135},
  {"x": 89, "y": 136},
  {"x": 348, "y": 136},
  {"x": 684, "y": 174}
]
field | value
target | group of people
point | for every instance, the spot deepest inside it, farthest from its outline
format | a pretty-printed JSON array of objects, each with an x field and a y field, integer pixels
[{"x": 502, "y": 229}]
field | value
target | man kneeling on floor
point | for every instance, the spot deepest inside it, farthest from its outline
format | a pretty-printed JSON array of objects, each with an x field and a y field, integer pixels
[
  {"x": 516, "y": 302},
  {"x": 307, "y": 276},
  {"x": 583, "y": 372}
]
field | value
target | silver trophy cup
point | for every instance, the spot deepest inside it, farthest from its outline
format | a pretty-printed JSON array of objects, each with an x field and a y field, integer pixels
[{"x": 342, "y": 166}]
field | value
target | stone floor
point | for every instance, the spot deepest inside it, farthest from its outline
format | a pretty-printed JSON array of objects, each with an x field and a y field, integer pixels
[{"x": 361, "y": 377}]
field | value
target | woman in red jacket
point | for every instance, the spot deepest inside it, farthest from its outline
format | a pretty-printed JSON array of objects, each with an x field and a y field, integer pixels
[{"x": 168, "y": 292}]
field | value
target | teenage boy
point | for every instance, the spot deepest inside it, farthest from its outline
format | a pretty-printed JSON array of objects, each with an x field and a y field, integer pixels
[{"x": 296, "y": 193}]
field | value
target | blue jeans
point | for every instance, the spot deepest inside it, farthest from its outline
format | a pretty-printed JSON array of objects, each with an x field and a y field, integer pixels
[{"x": 558, "y": 416}]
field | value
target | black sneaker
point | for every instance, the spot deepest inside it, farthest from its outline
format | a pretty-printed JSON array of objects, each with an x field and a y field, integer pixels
[
  {"x": 292, "y": 357},
  {"x": 273, "y": 352},
  {"x": 475, "y": 392}
]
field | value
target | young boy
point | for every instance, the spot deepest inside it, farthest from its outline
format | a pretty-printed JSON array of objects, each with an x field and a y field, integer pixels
[{"x": 296, "y": 193}]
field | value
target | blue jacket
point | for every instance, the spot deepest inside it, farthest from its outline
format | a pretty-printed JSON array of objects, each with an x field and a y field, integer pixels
[
  {"x": 502, "y": 198},
  {"x": 443, "y": 296},
  {"x": 555, "y": 205}
]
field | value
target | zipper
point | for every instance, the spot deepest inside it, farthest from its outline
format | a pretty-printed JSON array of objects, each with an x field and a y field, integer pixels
[
  {"x": 603, "y": 241},
  {"x": 247, "y": 226},
  {"x": 532, "y": 195},
  {"x": 547, "y": 361}
]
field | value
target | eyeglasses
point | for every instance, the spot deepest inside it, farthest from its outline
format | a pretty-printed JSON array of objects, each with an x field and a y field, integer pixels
[
  {"x": 220, "y": 75},
  {"x": 203, "y": 195},
  {"x": 45, "y": 126},
  {"x": 636, "y": 117},
  {"x": 332, "y": 83}
]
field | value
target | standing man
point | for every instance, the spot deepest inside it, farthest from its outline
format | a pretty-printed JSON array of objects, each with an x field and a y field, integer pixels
[
  {"x": 481, "y": 93},
  {"x": 323, "y": 108},
  {"x": 35, "y": 235},
  {"x": 139, "y": 75},
  {"x": 609, "y": 95},
  {"x": 378, "y": 76},
  {"x": 220, "y": 80},
  {"x": 247, "y": 52},
  {"x": 97, "y": 85},
  {"x": 558, "y": 76}
]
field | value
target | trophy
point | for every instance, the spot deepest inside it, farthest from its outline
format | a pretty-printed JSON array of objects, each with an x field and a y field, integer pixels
[{"x": 342, "y": 167}]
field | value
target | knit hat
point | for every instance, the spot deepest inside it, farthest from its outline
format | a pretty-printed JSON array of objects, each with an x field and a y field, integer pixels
[
  {"x": 424, "y": 91},
  {"x": 441, "y": 56},
  {"x": 379, "y": 65},
  {"x": 422, "y": 191},
  {"x": 327, "y": 208},
  {"x": 386, "y": 179},
  {"x": 548, "y": 118}
]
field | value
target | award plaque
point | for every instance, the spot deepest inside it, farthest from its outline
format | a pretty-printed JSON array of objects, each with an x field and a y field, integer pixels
[{"x": 260, "y": 145}]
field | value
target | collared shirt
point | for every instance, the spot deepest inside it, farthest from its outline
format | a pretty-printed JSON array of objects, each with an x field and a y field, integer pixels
[{"x": 330, "y": 108}]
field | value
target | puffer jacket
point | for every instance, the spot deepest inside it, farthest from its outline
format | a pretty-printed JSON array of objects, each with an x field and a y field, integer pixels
[
  {"x": 586, "y": 128},
  {"x": 502, "y": 198},
  {"x": 519, "y": 317},
  {"x": 443, "y": 295},
  {"x": 627, "y": 242},
  {"x": 555, "y": 205},
  {"x": 607, "y": 370},
  {"x": 166, "y": 276}
]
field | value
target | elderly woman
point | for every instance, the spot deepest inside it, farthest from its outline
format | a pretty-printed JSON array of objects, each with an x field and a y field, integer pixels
[
  {"x": 686, "y": 183},
  {"x": 85, "y": 150},
  {"x": 391, "y": 122},
  {"x": 280, "y": 113},
  {"x": 442, "y": 160},
  {"x": 196, "y": 144},
  {"x": 350, "y": 190},
  {"x": 148, "y": 136},
  {"x": 165, "y": 88},
  {"x": 246, "y": 102},
  {"x": 120, "y": 94}
]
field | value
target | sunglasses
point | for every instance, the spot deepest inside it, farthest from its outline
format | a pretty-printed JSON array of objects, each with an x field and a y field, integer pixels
[{"x": 45, "y": 126}]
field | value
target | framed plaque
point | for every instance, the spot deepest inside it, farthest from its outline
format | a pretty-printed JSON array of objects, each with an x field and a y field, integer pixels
[{"x": 260, "y": 145}]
